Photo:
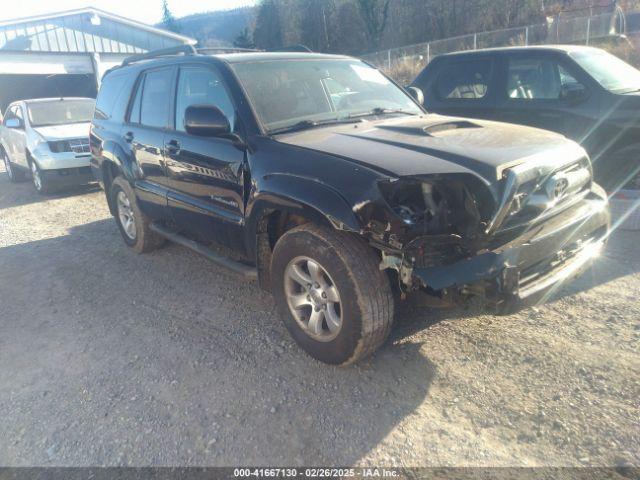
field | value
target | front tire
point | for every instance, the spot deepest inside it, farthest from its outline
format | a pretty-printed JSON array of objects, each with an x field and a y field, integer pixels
[
  {"x": 133, "y": 224},
  {"x": 39, "y": 180},
  {"x": 333, "y": 298},
  {"x": 14, "y": 174}
]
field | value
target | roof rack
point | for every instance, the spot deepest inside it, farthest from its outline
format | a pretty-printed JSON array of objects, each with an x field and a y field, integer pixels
[
  {"x": 292, "y": 48},
  {"x": 163, "y": 52},
  {"x": 227, "y": 50}
]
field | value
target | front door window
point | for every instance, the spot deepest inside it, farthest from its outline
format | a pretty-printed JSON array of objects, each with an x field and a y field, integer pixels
[{"x": 537, "y": 79}]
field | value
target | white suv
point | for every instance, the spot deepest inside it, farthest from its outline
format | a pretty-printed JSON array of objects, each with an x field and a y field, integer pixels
[{"x": 49, "y": 138}]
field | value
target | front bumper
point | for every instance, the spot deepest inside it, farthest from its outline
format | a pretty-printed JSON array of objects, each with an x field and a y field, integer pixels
[
  {"x": 529, "y": 268},
  {"x": 64, "y": 169},
  {"x": 67, "y": 177},
  {"x": 48, "y": 160}
]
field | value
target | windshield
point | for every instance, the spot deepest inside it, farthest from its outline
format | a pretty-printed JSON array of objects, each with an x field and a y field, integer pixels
[
  {"x": 60, "y": 112},
  {"x": 609, "y": 71},
  {"x": 287, "y": 92}
]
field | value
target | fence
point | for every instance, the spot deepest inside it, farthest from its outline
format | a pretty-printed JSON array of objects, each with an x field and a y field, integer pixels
[{"x": 406, "y": 62}]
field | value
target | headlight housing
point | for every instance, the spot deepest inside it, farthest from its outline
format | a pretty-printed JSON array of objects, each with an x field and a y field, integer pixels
[
  {"x": 453, "y": 204},
  {"x": 60, "y": 146}
]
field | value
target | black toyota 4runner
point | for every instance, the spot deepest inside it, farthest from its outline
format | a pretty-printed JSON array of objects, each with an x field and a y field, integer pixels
[{"x": 337, "y": 191}]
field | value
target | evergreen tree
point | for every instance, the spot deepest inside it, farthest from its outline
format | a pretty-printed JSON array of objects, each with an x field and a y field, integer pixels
[
  {"x": 244, "y": 40},
  {"x": 268, "y": 33},
  {"x": 169, "y": 22}
]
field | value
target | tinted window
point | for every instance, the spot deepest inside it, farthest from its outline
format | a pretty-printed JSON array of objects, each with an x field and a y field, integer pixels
[
  {"x": 464, "y": 80},
  {"x": 154, "y": 107},
  {"x": 113, "y": 87},
  {"x": 537, "y": 79},
  {"x": 201, "y": 86}
]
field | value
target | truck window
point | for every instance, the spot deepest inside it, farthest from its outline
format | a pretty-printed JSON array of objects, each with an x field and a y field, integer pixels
[
  {"x": 154, "y": 106},
  {"x": 201, "y": 86},
  {"x": 536, "y": 79},
  {"x": 467, "y": 79},
  {"x": 112, "y": 91}
]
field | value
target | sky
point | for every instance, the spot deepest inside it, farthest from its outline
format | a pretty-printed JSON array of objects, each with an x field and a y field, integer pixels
[{"x": 147, "y": 11}]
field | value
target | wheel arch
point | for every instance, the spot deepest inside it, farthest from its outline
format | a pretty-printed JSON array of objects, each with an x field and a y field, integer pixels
[
  {"x": 287, "y": 201},
  {"x": 113, "y": 162}
]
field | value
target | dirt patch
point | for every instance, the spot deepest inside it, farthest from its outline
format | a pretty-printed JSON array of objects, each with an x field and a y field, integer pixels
[{"x": 110, "y": 358}]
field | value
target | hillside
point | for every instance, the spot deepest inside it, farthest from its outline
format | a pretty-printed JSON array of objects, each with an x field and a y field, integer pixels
[{"x": 216, "y": 28}]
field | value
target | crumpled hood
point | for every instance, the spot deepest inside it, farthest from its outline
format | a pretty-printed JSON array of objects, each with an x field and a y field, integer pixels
[
  {"x": 433, "y": 144},
  {"x": 64, "y": 132}
]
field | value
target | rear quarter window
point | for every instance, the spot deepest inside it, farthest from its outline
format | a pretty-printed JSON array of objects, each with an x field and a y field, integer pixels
[{"x": 113, "y": 96}]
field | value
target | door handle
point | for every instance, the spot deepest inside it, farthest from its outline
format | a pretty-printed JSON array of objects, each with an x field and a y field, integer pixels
[
  {"x": 172, "y": 146},
  {"x": 128, "y": 137}
]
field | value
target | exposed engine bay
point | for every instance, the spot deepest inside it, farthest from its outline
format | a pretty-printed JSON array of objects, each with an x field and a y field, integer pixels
[
  {"x": 438, "y": 206},
  {"x": 444, "y": 220}
]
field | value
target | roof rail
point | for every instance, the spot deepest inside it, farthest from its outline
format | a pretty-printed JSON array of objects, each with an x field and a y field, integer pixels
[
  {"x": 292, "y": 48},
  {"x": 226, "y": 50},
  {"x": 163, "y": 52}
]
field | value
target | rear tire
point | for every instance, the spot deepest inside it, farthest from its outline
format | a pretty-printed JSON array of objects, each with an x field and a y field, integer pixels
[
  {"x": 133, "y": 224},
  {"x": 15, "y": 175},
  {"x": 345, "y": 311}
]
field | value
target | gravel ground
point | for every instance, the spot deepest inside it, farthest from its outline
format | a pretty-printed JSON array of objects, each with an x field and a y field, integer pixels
[{"x": 110, "y": 358}]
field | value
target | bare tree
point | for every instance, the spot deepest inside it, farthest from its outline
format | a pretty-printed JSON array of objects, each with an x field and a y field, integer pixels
[{"x": 375, "y": 14}]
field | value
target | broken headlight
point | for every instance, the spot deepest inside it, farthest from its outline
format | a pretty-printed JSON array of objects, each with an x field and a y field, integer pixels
[{"x": 439, "y": 205}]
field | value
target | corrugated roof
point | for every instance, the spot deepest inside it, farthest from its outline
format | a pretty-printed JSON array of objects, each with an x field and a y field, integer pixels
[{"x": 85, "y": 30}]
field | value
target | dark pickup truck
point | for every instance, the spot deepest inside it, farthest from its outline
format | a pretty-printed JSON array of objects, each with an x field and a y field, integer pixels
[
  {"x": 584, "y": 93},
  {"x": 337, "y": 191}
]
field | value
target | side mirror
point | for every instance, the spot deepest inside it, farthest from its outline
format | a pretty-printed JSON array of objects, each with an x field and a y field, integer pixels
[
  {"x": 573, "y": 92},
  {"x": 14, "y": 123},
  {"x": 206, "y": 121},
  {"x": 417, "y": 94}
]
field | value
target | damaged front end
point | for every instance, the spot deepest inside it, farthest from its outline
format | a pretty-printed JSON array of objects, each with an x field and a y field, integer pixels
[
  {"x": 455, "y": 236},
  {"x": 427, "y": 221}
]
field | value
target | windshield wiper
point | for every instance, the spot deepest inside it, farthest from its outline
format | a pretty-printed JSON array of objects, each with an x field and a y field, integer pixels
[
  {"x": 381, "y": 111},
  {"x": 307, "y": 124}
]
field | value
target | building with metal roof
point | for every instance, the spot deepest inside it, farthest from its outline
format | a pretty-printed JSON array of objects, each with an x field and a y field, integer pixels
[{"x": 66, "y": 53}]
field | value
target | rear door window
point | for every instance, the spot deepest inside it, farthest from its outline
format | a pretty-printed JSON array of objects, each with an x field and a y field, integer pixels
[
  {"x": 155, "y": 103},
  {"x": 464, "y": 80}
]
